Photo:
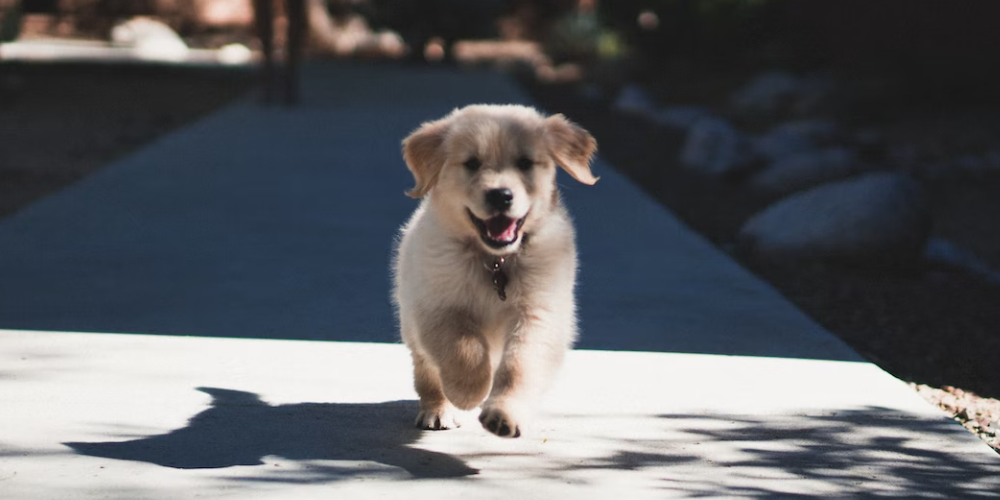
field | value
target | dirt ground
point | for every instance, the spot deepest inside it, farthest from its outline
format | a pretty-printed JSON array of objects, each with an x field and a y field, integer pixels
[{"x": 934, "y": 327}]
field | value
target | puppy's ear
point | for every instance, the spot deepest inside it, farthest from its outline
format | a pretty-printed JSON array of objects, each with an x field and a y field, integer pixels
[
  {"x": 572, "y": 147},
  {"x": 423, "y": 153}
]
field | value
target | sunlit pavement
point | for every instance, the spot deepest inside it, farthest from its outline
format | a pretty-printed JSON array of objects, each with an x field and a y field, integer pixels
[{"x": 234, "y": 276}]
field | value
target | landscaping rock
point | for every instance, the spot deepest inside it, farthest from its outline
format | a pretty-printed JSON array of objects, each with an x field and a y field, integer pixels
[
  {"x": 874, "y": 219},
  {"x": 964, "y": 166},
  {"x": 795, "y": 137},
  {"x": 806, "y": 170},
  {"x": 151, "y": 39},
  {"x": 773, "y": 93},
  {"x": 948, "y": 253},
  {"x": 814, "y": 94},
  {"x": 680, "y": 117},
  {"x": 633, "y": 99},
  {"x": 714, "y": 147},
  {"x": 766, "y": 93}
]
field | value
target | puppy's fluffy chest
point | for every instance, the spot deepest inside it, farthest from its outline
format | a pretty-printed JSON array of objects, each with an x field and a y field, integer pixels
[
  {"x": 455, "y": 272},
  {"x": 449, "y": 272}
]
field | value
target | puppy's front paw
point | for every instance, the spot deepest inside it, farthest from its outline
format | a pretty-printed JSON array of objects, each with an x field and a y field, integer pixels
[
  {"x": 499, "y": 422},
  {"x": 437, "y": 419}
]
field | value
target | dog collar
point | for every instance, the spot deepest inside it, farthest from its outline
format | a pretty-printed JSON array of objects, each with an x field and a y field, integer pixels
[{"x": 499, "y": 277}]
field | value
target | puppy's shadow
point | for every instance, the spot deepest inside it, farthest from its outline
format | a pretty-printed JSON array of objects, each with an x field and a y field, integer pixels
[{"x": 240, "y": 429}]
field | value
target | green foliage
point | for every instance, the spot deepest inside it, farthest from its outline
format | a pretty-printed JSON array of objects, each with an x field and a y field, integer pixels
[
  {"x": 610, "y": 45},
  {"x": 581, "y": 36}
]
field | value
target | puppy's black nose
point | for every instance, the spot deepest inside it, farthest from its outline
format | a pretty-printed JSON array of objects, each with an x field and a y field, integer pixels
[{"x": 499, "y": 199}]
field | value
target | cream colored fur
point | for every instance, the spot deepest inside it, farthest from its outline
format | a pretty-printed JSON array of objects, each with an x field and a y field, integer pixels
[{"x": 469, "y": 347}]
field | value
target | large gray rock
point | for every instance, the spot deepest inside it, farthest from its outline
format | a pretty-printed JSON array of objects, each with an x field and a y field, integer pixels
[
  {"x": 714, "y": 147},
  {"x": 806, "y": 170},
  {"x": 878, "y": 218}
]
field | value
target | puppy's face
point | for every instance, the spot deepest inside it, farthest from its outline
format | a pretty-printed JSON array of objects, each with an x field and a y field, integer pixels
[{"x": 490, "y": 170}]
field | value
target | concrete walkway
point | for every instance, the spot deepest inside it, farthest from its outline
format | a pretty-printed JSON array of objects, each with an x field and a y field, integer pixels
[{"x": 196, "y": 261}]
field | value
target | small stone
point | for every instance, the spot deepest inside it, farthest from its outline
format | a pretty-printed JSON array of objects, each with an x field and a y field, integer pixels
[
  {"x": 993, "y": 427},
  {"x": 794, "y": 137},
  {"x": 714, "y": 147},
  {"x": 679, "y": 117},
  {"x": 773, "y": 93},
  {"x": 806, "y": 170},
  {"x": 766, "y": 93},
  {"x": 633, "y": 99}
]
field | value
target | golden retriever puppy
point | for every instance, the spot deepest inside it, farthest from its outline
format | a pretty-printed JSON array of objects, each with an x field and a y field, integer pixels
[{"x": 485, "y": 268}]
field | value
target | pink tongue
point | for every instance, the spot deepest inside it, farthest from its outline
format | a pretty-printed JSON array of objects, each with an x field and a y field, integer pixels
[{"x": 501, "y": 228}]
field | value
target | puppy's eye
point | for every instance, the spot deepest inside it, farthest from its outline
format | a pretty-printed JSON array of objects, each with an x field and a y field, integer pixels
[
  {"x": 472, "y": 164},
  {"x": 525, "y": 163}
]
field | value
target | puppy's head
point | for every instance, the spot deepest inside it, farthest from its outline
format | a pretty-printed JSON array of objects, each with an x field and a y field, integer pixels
[{"x": 490, "y": 170}]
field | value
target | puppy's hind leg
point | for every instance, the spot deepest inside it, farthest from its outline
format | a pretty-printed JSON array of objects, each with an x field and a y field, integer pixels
[{"x": 436, "y": 412}]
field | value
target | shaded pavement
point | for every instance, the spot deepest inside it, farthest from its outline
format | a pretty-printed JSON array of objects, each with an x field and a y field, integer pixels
[{"x": 275, "y": 223}]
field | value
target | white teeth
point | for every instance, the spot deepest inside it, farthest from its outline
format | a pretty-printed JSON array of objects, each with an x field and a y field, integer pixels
[{"x": 497, "y": 237}]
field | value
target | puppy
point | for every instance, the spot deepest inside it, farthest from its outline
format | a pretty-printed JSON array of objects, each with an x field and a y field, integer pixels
[{"x": 485, "y": 268}]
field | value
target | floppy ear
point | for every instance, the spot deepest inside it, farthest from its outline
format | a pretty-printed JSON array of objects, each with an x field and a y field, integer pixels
[
  {"x": 572, "y": 147},
  {"x": 423, "y": 155}
]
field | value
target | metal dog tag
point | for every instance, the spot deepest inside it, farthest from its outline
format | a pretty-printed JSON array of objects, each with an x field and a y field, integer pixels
[{"x": 499, "y": 278}]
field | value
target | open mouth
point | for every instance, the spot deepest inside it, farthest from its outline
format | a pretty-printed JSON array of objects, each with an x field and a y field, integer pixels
[{"x": 498, "y": 231}]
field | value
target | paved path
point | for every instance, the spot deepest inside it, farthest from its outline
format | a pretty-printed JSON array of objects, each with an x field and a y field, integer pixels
[
  {"x": 257, "y": 225},
  {"x": 270, "y": 223}
]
